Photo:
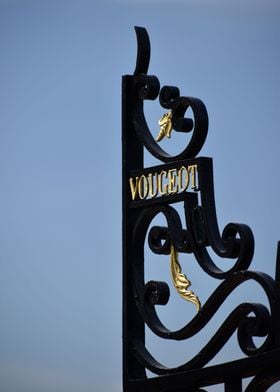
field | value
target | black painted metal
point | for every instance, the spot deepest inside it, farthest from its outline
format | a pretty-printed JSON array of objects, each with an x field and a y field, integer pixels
[{"x": 201, "y": 233}]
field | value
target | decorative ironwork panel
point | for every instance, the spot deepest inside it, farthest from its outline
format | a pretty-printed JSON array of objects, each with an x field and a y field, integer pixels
[{"x": 147, "y": 192}]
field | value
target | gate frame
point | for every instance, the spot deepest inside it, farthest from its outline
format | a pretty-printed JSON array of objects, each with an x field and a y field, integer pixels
[{"x": 236, "y": 242}]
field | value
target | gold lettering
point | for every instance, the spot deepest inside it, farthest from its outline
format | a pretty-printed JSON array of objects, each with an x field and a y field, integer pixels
[
  {"x": 193, "y": 172},
  {"x": 143, "y": 187},
  {"x": 162, "y": 189},
  {"x": 134, "y": 187},
  {"x": 183, "y": 179},
  {"x": 172, "y": 176},
  {"x": 152, "y": 192},
  {"x": 164, "y": 183}
]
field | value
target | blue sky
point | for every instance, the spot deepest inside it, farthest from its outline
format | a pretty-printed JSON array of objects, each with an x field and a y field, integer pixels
[{"x": 60, "y": 166}]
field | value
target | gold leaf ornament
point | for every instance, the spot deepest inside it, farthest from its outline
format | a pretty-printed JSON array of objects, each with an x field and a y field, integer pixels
[
  {"x": 165, "y": 124},
  {"x": 180, "y": 280}
]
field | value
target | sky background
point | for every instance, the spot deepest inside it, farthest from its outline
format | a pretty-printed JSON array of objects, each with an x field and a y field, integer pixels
[{"x": 60, "y": 168}]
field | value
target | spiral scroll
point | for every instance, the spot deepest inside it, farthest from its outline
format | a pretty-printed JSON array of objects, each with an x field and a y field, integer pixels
[{"x": 147, "y": 87}]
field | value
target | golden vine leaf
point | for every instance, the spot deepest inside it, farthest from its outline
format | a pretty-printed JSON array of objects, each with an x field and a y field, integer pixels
[
  {"x": 165, "y": 124},
  {"x": 180, "y": 280}
]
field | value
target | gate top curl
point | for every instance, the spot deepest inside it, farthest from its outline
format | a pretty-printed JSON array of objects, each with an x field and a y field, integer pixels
[{"x": 148, "y": 192}]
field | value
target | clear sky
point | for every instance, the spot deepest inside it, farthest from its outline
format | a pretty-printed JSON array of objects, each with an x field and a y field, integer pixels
[{"x": 60, "y": 166}]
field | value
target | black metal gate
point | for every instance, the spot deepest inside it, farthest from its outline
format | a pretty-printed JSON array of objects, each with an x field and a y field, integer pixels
[{"x": 148, "y": 192}]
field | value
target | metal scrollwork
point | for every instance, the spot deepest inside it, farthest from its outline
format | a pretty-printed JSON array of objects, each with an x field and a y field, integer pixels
[
  {"x": 147, "y": 87},
  {"x": 153, "y": 293},
  {"x": 195, "y": 234}
]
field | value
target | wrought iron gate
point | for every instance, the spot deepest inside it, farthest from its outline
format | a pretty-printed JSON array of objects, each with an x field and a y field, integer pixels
[{"x": 148, "y": 192}]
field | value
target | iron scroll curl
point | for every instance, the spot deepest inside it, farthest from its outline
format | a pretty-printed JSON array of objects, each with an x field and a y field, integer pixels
[
  {"x": 147, "y": 87},
  {"x": 249, "y": 320}
]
